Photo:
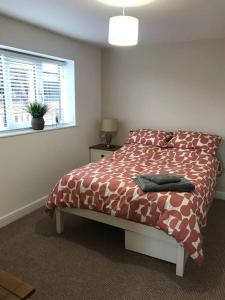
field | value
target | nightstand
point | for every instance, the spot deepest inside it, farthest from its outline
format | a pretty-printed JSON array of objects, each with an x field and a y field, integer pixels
[{"x": 100, "y": 151}]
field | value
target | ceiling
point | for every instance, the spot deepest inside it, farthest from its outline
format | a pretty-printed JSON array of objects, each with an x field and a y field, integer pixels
[{"x": 160, "y": 21}]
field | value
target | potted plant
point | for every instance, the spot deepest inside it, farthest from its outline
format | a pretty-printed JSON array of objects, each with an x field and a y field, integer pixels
[{"x": 37, "y": 110}]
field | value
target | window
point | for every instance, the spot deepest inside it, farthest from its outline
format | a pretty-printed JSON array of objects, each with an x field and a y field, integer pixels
[{"x": 26, "y": 77}]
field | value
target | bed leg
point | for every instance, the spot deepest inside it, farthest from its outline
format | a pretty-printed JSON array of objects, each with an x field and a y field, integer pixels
[
  {"x": 59, "y": 221},
  {"x": 181, "y": 259}
]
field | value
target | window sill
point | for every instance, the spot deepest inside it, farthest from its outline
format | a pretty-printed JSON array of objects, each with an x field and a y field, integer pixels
[{"x": 31, "y": 131}]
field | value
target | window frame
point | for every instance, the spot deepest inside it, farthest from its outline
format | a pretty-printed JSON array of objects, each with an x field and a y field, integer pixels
[{"x": 69, "y": 90}]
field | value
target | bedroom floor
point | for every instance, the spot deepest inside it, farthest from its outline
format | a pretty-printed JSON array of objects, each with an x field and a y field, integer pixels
[{"x": 89, "y": 262}]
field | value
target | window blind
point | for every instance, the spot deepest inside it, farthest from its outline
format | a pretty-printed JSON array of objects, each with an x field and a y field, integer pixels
[
  {"x": 24, "y": 79},
  {"x": 2, "y": 98}
]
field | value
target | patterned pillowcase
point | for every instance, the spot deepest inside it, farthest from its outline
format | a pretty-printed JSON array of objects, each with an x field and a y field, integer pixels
[
  {"x": 148, "y": 137},
  {"x": 195, "y": 140}
]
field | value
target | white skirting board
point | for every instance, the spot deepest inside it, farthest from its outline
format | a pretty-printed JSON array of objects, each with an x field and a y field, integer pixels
[
  {"x": 22, "y": 211},
  {"x": 220, "y": 195}
]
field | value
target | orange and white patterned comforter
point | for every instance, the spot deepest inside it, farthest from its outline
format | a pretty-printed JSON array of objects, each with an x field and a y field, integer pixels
[{"x": 107, "y": 186}]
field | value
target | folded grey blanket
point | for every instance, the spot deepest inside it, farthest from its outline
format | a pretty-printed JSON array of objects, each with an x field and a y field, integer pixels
[
  {"x": 147, "y": 185},
  {"x": 163, "y": 178}
]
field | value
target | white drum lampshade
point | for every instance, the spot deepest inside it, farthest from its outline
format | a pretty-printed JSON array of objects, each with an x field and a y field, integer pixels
[{"x": 123, "y": 31}]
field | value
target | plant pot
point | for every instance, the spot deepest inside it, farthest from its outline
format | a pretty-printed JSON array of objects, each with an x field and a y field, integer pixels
[{"x": 38, "y": 123}]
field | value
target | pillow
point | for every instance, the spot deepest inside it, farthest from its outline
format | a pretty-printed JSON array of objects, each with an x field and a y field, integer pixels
[
  {"x": 195, "y": 140},
  {"x": 149, "y": 137}
]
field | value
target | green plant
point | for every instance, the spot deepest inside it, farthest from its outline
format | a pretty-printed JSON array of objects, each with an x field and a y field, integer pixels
[{"x": 37, "y": 109}]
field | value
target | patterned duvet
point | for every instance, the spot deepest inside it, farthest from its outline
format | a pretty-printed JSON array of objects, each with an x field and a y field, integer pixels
[{"x": 107, "y": 186}]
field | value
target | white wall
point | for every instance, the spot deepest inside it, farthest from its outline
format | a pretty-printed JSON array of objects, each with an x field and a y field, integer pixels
[
  {"x": 31, "y": 164},
  {"x": 176, "y": 86}
]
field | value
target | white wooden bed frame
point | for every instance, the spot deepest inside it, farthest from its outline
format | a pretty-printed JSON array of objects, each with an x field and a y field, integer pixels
[{"x": 138, "y": 237}]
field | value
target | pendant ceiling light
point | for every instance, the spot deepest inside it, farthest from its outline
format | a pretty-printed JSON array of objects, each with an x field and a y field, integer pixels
[
  {"x": 123, "y": 30},
  {"x": 127, "y": 3}
]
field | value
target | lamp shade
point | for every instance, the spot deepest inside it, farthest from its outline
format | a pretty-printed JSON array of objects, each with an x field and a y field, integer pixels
[
  {"x": 109, "y": 125},
  {"x": 123, "y": 31},
  {"x": 127, "y": 3}
]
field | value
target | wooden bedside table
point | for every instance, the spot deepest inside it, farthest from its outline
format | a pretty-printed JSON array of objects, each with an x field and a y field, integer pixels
[{"x": 100, "y": 151}]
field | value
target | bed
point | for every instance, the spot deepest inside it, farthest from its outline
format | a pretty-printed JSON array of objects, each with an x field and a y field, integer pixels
[{"x": 165, "y": 225}]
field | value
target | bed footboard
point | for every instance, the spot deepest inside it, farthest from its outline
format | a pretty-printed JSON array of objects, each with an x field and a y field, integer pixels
[{"x": 138, "y": 237}]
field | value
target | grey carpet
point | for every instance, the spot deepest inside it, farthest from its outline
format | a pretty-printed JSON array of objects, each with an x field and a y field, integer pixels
[{"x": 89, "y": 262}]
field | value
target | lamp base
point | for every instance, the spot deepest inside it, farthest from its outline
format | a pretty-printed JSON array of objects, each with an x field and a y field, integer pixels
[
  {"x": 110, "y": 146},
  {"x": 108, "y": 138}
]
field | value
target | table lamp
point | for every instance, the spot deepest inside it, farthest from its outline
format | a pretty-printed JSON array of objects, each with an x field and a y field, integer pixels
[{"x": 109, "y": 127}]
